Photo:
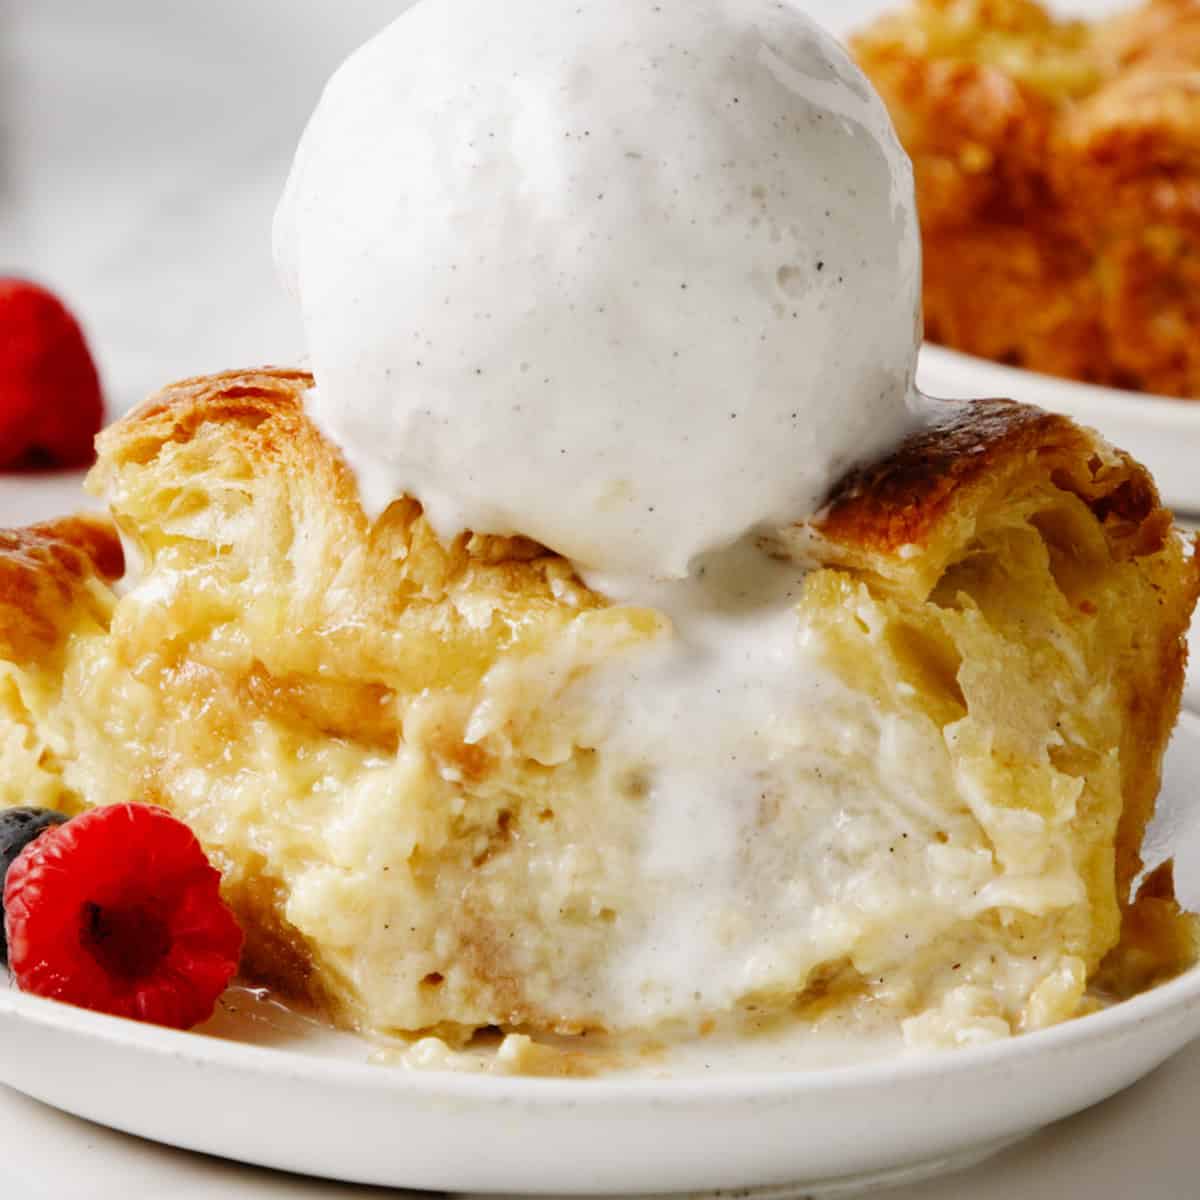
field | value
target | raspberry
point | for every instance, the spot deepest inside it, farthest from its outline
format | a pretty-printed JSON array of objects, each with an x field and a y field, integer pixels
[
  {"x": 120, "y": 911},
  {"x": 51, "y": 406}
]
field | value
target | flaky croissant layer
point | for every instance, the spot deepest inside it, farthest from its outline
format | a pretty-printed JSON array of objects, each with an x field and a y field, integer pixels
[{"x": 380, "y": 739}]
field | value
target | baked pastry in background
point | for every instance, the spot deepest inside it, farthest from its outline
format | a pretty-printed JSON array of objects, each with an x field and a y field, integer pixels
[
  {"x": 1058, "y": 180},
  {"x": 384, "y": 742}
]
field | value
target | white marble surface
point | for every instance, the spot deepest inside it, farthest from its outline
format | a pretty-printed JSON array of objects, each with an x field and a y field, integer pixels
[{"x": 141, "y": 150}]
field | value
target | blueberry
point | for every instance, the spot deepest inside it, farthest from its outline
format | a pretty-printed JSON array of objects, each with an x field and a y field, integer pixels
[{"x": 18, "y": 827}]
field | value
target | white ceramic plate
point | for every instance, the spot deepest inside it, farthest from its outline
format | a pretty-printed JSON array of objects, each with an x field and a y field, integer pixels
[
  {"x": 1162, "y": 433},
  {"x": 310, "y": 1101}
]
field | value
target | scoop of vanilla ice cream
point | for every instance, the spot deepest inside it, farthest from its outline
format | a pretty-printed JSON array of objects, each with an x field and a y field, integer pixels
[{"x": 633, "y": 279}]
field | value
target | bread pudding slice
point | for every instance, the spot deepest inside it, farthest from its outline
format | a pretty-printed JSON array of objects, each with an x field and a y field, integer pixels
[
  {"x": 1058, "y": 182},
  {"x": 381, "y": 741}
]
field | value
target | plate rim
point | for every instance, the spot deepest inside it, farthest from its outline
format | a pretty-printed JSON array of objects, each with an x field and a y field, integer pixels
[
  {"x": 776, "y": 1086},
  {"x": 1107, "y": 402}
]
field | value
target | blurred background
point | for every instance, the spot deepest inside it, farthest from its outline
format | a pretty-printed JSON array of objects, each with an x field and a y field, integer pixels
[{"x": 142, "y": 149}]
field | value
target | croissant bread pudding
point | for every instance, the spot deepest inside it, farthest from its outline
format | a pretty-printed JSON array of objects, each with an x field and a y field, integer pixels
[
  {"x": 1058, "y": 179},
  {"x": 610, "y": 638}
]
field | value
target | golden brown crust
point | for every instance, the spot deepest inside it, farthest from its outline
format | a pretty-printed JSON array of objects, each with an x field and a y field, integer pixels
[
  {"x": 969, "y": 450},
  {"x": 266, "y": 400},
  {"x": 262, "y": 412},
  {"x": 174, "y": 412},
  {"x": 1058, "y": 181},
  {"x": 44, "y": 570}
]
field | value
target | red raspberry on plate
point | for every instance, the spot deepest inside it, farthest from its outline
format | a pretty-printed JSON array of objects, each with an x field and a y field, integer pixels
[
  {"x": 51, "y": 406},
  {"x": 120, "y": 911}
]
